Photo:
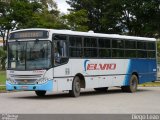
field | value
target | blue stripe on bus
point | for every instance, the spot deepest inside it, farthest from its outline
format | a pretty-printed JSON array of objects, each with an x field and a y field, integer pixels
[
  {"x": 46, "y": 86},
  {"x": 141, "y": 66},
  {"x": 127, "y": 77}
]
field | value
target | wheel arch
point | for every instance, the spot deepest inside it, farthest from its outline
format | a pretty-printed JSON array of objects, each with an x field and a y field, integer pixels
[{"x": 82, "y": 80}]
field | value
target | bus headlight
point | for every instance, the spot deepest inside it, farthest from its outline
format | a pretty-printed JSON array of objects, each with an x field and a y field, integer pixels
[
  {"x": 42, "y": 81},
  {"x": 11, "y": 81}
]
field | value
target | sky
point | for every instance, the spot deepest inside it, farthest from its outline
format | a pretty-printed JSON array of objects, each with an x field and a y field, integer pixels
[{"x": 62, "y": 5}]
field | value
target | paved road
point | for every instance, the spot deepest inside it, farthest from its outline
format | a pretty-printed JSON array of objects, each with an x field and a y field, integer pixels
[{"x": 146, "y": 100}]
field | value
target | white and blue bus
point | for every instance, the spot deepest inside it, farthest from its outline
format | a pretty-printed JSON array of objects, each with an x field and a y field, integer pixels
[{"x": 44, "y": 60}]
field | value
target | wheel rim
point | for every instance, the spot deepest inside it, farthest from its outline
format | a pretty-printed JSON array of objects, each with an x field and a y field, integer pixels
[
  {"x": 134, "y": 84},
  {"x": 77, "y": 86}
]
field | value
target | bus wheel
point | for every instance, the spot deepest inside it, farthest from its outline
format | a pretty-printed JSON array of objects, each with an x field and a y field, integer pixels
[
  {"x": 132, "y": 85},
  {"x": 76, "y": 87},
  {"x": 40, "y": 93},
  {"x": 103, "y": 89}
]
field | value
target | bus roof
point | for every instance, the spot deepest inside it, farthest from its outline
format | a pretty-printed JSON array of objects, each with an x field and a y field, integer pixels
[{"x": 90, "y": 34}]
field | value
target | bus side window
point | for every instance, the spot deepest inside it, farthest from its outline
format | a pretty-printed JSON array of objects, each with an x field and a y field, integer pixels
[{"x": 60, "y": 49}]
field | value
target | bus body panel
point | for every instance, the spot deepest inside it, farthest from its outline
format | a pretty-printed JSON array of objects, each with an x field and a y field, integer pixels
[
  {"x": 97, "y": 73},
  {"x": 27, "y": 80},
  {"x": 105, "y": 72},
  {"x": 145, "y": 68},
  {"x": 101, "y": 72},
  {"x": 46, "y": 87}
]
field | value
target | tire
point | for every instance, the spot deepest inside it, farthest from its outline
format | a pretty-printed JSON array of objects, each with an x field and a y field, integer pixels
[
  {"x": 133, "y": 83},
  {"x": 103, "y": 89},
  {"x": 76, "y": 87},
  {"x": 40, "y": 93}
]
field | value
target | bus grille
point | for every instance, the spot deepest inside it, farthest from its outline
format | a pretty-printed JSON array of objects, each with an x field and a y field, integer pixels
[{"x": 26, "y": 79}]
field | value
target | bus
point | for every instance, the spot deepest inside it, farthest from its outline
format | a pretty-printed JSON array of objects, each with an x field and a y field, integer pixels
[{"x": 44, "y": 60}]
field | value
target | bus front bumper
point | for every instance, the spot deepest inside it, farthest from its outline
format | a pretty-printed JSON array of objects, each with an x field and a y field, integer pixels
[{"x": 48, "y": 86}]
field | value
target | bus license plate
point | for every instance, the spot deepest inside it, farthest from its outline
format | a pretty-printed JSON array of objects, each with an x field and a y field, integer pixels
[{"x": 24, "y": 87}]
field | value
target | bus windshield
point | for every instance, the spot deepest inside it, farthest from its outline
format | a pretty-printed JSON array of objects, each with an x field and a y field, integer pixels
[{"x": 31, "y": 55}]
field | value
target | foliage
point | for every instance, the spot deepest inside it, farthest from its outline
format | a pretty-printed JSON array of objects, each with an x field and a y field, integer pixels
[
  {"x": 99, "y": 16},
  {"x": 158, "y": 46},
  {"x": 5, "y": 22},
  {"x": 76, "y": 23},
  {"x": 150, "y": 84},
  {"x": 158, "y": 51},
  {"x": 18, "y": 14},
  {"x": 2, "y": 89},
  {"x": 3, "y": 57},
  {"x": 2, "y": 77},
  {"x": 139, "y": 18}
]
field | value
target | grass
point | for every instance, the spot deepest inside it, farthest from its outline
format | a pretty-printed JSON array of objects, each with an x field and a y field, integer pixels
[
  {"x": 2, "y": 89},
  {"x": 2, "y": 77},
  {"x": 2, "y": 81},
  {"x": 150, "y": 84}
]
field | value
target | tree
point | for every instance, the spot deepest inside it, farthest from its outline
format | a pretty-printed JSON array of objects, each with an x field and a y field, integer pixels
[
  {"x": 139, "y": 18},
  {"x": 5, "y": 22},
  {"x": 76, "y": 23},
  {"x": 158, "y": 50},
  {"x": 18, "y": 14},
  {"x": 100, "y": 15},
  {"x": 3, "y": 56},
  {"x": 15, "y": 14}
]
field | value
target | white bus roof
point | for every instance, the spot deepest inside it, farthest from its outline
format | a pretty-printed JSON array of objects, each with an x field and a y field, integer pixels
[{"x": 90, "y": 34}]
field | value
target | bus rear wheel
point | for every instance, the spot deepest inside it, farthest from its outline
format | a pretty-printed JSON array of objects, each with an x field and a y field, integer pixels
[
  {"x": 40, "y": 93},
  {"x": 103, "y": 89},
  {"x": 76, "y": 87},
  {"x": 133, "y": 83}
]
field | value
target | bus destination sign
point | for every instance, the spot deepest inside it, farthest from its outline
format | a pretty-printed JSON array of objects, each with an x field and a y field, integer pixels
[{"x": 30, "y": 34}]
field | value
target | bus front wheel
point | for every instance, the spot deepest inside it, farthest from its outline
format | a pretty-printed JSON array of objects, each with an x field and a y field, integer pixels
[
  {"x": 40, "y": 93},
  {"x": 76, "y": 87},
  {"x": 133, "y": 83}
]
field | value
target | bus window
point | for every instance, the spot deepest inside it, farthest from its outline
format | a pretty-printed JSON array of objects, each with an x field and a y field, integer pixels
[
  {"x": 75, "y": 41},
  {"x": 90, "y": 52},
  {"x": 90, "y": 42},
  {"x": 60, "y": 49},
  {"x": 76, "y": 52},
  {"x": 130, "y": 53},
  {"x": 151, "y": 46},
  {"x": 142, "y": 54},
  {"x": 141, "y": 45},
  {"x": 16, "y": 55},
  {"x": 75, "y": 46},
  {"x": 130, "y": 44},
  {"x": 104, "y": 53},
  {"x": 117, "y": 44},
  {"x": 116, "y": 53},
  {"x": 90, "y": 47},
  {"x": 151, "y": 54},
  {"x": 104, "y": 43}
]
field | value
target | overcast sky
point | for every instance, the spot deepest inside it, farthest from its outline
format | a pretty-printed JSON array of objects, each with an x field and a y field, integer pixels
[{"x": 62, "y": 5}]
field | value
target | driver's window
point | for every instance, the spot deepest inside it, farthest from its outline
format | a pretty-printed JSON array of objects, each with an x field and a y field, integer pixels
[{"x": 60, "y": 49}]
